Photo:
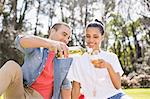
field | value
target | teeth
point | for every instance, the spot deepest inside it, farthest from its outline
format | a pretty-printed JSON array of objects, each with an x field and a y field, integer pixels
[{"x": 91, "y": 44}]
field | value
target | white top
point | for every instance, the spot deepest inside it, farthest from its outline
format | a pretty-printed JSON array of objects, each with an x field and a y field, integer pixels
[{"x": 95, "y": 82}]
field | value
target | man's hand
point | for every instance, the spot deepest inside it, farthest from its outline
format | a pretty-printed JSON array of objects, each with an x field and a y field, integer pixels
[{"x": 59, "y": 47}]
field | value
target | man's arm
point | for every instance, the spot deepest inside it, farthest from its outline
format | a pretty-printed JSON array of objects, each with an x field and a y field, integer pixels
[
  {"x": 75, "y": 90},
  {"x": 36, "y": 42}
]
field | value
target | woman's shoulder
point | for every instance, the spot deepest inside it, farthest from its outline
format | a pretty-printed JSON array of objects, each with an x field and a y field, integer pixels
[{"x": 108, "y": 53}]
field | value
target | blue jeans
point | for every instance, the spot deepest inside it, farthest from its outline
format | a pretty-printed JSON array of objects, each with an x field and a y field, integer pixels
[{"x": 117, "y": 96}]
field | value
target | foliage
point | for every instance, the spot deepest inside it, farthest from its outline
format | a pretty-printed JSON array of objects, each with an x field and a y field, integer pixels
[
  {"x": 7, "y": 48},
  {"x": 141, "y": 77}
]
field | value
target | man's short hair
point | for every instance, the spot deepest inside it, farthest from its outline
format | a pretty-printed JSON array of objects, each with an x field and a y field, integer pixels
[{"x": 56, "y": 26}]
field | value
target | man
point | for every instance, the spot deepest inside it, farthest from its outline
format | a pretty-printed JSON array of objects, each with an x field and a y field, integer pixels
[{"x": 42, "y": 75}]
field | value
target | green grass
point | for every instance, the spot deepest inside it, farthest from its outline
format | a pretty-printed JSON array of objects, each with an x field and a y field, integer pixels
[{"x": 142, "y": 93}]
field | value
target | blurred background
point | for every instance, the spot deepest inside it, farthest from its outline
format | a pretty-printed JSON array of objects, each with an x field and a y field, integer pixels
[{"x": 127, "y": 25}]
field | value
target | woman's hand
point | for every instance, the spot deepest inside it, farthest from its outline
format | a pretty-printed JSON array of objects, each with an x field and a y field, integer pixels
[
  {"x": 115, "y": 77},
  {"x": 100, "y": 63}
]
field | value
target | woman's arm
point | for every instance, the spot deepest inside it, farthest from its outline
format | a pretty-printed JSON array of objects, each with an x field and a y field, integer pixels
[
  {"x": 75, "y": 90},
  {"x": 65, "y": 93},
  {"x": 115, "y": 77}
]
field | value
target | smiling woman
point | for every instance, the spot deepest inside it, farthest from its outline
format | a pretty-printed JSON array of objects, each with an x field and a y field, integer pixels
[{"x": 107, "y": 67}]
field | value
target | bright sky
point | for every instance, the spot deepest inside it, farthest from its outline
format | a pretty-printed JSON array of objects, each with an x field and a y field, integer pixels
[
  {"x": 133, "y": 6},
  {"x": 31, "y": 16},
  {"x": 135, "y": 9}
]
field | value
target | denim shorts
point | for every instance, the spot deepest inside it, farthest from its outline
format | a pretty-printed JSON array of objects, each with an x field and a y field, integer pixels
[{"x": 117, "y": 96}]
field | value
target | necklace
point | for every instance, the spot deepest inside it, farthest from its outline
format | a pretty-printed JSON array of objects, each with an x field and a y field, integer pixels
[
  {"x": 93, "y": 78},
  {"x": 93, "y": 58}
]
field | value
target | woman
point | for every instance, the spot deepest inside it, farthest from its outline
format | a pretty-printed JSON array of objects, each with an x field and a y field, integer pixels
[{"x": 100, "y": 79}]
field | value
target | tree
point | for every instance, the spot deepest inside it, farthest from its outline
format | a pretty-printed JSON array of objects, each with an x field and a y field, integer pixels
[{"x": 12, "y": 24}]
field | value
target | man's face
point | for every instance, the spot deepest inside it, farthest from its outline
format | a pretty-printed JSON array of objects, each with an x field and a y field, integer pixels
[{"x": 63, "y": 34}]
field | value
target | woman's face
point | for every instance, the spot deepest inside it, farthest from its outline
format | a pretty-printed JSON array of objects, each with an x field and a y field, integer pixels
[{"x": 93, "y": 38}]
